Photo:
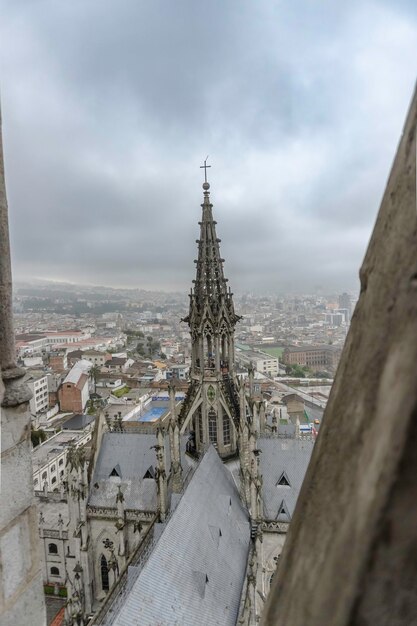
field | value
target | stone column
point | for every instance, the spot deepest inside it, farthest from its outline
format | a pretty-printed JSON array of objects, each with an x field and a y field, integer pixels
[
  {"x": 216, "y": 343},
  {"x": 21, "y": 593},
  {"x": 160, "y": 476},
  {"x": 255, "y": 417},
  {"x": 231, "y": 354},
  {"x": 262, "y": 417},
  {"x": 121, "y": 525}
]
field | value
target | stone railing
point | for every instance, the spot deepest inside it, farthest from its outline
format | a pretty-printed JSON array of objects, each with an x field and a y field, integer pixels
[
  {"x": 131, "y": 515},
  {"x": 273, "y": 526},
  {"x": 54, "y": 496},
  {"x": 53, "y": 534},
  {"x": 270, "y": 435}
]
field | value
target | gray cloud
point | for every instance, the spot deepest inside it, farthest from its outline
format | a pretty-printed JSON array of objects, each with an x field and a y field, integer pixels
[{"x": 109, "y": 108}]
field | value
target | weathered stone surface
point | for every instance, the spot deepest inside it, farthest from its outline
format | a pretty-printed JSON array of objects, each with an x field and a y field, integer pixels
[
  {"x": 21, "y": 596},
  {"x": 351, "y": 553},
  {"x": 7, "y": 345},
  {"x": 15, "y": 425},
  {"x": 16, "y": 483},
  {"x": 16, "y": 390}
]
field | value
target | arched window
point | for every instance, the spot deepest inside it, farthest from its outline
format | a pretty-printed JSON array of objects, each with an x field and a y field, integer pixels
[
  {"x": 226, "y": 430},
  {"x": 209, "y": 356},
  {"x": 54, "y": 571},
  {"x": 53, "y": 548},
  {"x": 44, "y": 475},
  {"x": 212, "y": 426},
  {"x": 104, "y": 573}
]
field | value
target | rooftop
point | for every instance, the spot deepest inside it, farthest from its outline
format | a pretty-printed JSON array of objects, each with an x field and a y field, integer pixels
[
  {"x": 196, "y": 571},
  {"x": 53, "y": 446},
  {"x": 77, "y": 370},
  {"x": 280, "y": 458}
]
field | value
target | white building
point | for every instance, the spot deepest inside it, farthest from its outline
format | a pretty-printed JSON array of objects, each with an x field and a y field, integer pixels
[
  {"x": 49, "y": 458},
  {"x": 53, "y": 534},
  {"x": 180, "y": 371},
  {"x": 38, "y": 384},
  {"x": 262, "y": 362},
  {"x": 96, "y": 357}
]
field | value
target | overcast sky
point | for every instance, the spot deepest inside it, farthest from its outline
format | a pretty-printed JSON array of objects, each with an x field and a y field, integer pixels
[{"x": 110, "y": 107}]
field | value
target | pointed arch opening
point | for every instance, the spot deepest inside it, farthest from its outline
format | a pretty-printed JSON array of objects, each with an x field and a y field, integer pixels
[
  {"x": 104, "y": 570},
  {"x": 283, "y": 513},
  {"x": 208, "y": 348},
  {"x": 224, "y": 351},
  {"x": 226, "y": 430},
  {"x": 212, "y": 426}
]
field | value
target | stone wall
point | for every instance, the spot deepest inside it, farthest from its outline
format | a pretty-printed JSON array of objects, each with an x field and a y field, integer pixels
[
  {"x": 21, "y": 592},
  {"x": 350, "y": 556}
]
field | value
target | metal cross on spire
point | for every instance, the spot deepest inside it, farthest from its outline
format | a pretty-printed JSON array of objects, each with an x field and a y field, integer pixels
[{"x": 205, "y": 166}]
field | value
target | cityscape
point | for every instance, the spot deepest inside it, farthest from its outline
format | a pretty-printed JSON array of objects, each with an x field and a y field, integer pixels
[
  {"x": 124, "y": 361},
  {"x": 208, "y": 381}
]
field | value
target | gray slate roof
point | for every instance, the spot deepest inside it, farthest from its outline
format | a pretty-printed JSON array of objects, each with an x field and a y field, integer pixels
[
  {"x": 131, "y": 454},
  {"x": 78, "y": 422},
  {"x": 291, "y": 456},
  {"x": 196, "y": 571}
]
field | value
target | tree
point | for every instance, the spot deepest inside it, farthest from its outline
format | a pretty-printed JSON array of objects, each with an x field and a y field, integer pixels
[
  {"x": 37, "y": 436},
  {"x": 140, "y": 349},
  {"x": 94, "y": 374},
  {"x": 297, "y": 371}
]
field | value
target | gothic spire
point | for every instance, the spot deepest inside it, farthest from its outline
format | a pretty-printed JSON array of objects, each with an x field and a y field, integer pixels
[
  {"x": 211, "y": 406},
  {"x": 210, "y": 281}
]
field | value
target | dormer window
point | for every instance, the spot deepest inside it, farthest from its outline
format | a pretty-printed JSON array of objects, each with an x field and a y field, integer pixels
[
  {"x": 116, "y": 471},
  {"x": 283, "y": 480},
  {"x": 149, "y": 473}
]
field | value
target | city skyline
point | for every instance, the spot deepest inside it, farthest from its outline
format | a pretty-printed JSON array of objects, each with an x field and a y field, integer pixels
[{"x": 105, "y": 130}]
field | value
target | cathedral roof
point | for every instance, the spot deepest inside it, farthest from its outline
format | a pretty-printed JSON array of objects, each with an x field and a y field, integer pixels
[
  {"x": 196, "y": 571},
  {"x": 282, "y": 460},
  {"x": 124, "y": 459}
]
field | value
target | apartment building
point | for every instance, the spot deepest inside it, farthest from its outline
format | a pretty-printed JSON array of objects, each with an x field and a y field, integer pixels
[
  {"x": 38, "y": 384},
  {"x": 317, "y": 358}
]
